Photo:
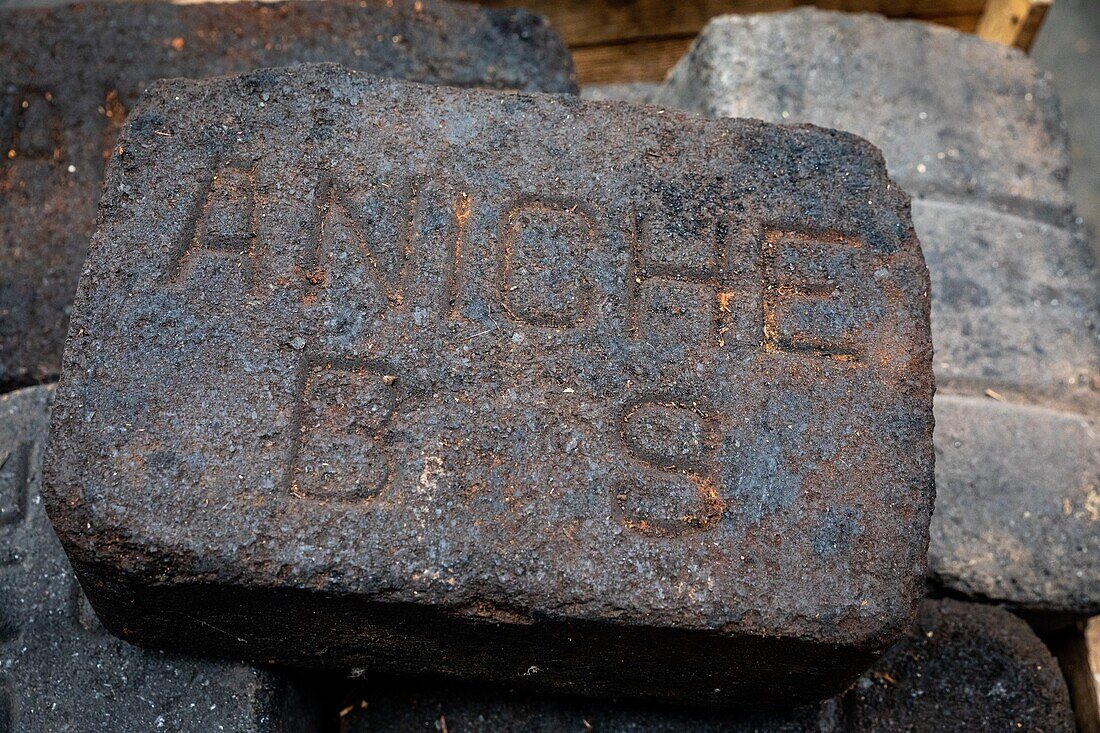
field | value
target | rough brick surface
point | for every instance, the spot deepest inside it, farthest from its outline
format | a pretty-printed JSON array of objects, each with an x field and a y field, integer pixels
[
  {"x": 1015, "y": 306},
  {"x": 1033, "y": 472},
  {"x": 952, "y": 113},
  {"x": 975, "y": 131},
  {"x": 60, "y": 671},
  {"x": 965, "y": 667},
  {"x": 522, "y": 387},
  {"x": 68, "y": 75}
]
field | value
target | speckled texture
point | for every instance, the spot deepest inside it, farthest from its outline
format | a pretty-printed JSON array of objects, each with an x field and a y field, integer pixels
[
  {"x": 975, "y": 132},
  {"x": 60, "y": 671},
  {"x": 521, "y": 387},
  {"x": 639, "y": 92},
  {"x": 952, "y": 113},
  {"x": 969, "y": 667},
  {"x": 965, "y": 668},
  {"x": 1015, "y": 306},
  {"x": 1018, "y": 505},
  {"x": 78, "y": 69}
]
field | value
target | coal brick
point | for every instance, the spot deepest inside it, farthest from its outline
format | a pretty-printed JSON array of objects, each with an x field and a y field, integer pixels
[
  {"x": 965, "y": 667},
  {"x": 69, "y": 75},
  {"x": 60, "y": 670},
  {"x": 514, "y": 386},
  {"x": 1018, "y": 374},
  {"x": 974, "y": 130}
]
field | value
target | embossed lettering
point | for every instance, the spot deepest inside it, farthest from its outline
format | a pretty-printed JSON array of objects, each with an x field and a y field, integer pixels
[
  {"x": 341, "y": 450},
  {"x": 671, "y": 489},
  {"x": 680, "y": 289},
  {"x": 375, "y": 228},
  {"x": 222, "y": 224},
  {"x": 543, "y": 279},
  {"x": 694, "y": 280},
  {"x": 461, "y": 211},
  {"x": 804, "y": 310}
]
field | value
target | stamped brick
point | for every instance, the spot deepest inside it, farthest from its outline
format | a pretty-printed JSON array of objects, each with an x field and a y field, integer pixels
[
  {"x": 69, "y": 75},
  {"x": 368, "y": 440},
  {"x": 965, "y": 667},
  {"x": 61, "y": 671},
  {"x": 973, "y": 129}
]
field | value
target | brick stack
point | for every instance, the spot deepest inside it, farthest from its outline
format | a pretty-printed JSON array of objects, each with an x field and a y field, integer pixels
[{"x": 537, "y": 413}]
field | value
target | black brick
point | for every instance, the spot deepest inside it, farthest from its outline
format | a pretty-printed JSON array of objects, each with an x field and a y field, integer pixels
[
  {"x": 964, "y": 668},
  {"x": 518, "y": 387}
]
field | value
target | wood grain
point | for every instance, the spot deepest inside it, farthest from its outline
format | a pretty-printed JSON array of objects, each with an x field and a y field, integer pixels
[
  {"x": 588, "y": 22},
  {"x": 640, "y": 40},
  {"x": 1013, "y": 22}
]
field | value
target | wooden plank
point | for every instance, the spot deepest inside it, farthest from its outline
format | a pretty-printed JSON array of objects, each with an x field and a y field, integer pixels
[
  {"x": 1078, "y": 651},
  {"x": 640, "y": 60},
  {"x": 592, "y": 22},
  {"x": 1013, "y": 22},
  {"x": 964, "y": 23},
  {"x": 651, "y": 59},
  {"x": 903, "y": 8}
]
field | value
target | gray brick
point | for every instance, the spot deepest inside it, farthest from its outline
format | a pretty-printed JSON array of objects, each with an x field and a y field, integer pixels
[
  {"x": 639, "y": 92},
  {"x": 1014, "y": 306},
  {"x": 518, "y": 387},
  {"x": 952, "y": 114},
  {"x": 1017, "y": 505},
  {"x": 68, "y": 76},
  {"x": 59, "y": 669}
]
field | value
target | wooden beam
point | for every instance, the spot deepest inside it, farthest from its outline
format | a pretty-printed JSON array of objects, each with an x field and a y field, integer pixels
[
  {"x": 640, "y": 40},
  {"x": 1078, "y": 651},
  {"x": 595, "y": 22},
  {"x": 637, "y": 60},
  {"x": 1013, "y": 22}
]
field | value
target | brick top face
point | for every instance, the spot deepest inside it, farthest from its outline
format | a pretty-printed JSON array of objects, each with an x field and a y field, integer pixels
[{"x": 479, "y": 351}]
